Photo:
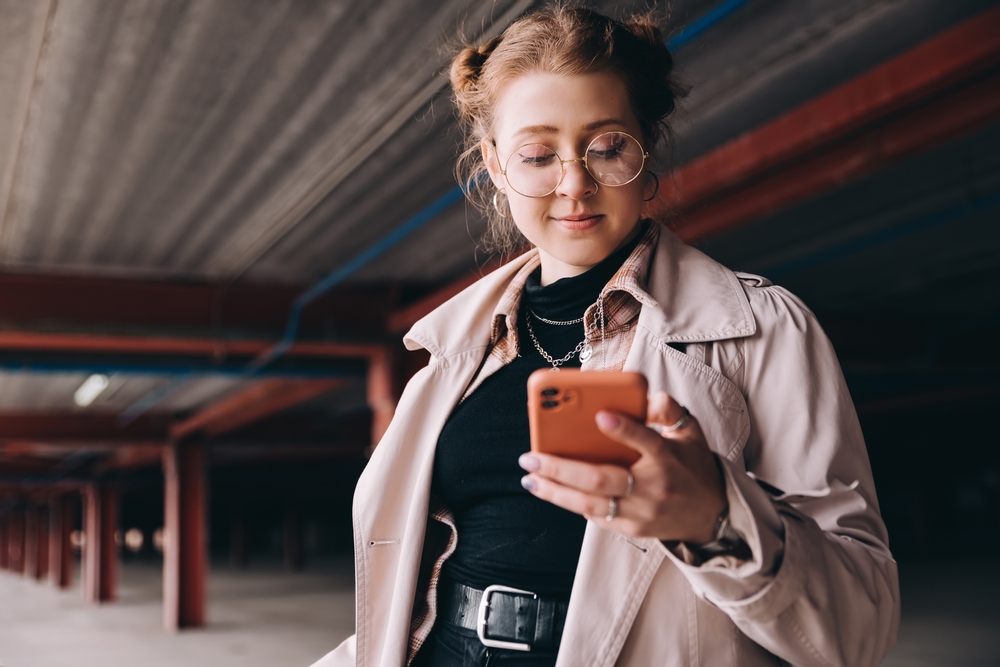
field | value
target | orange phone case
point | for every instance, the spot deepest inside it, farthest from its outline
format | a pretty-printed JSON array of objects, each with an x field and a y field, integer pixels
[{"x": 562, "y": 406}]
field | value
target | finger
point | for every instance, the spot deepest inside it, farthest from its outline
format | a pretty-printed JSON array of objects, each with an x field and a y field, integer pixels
[
  {"x": 593, "y": 478},
  {"x": 664, "y": 409},
  {"x": 629, "y": 432},
  {"x": 586, "y": 504}
]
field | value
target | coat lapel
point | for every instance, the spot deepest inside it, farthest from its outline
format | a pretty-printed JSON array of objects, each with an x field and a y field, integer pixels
[{"x": 697, "y": 300}]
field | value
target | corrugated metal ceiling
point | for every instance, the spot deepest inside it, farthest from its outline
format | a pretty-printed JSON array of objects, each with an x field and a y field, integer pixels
[{"x": 213, "y": 138}]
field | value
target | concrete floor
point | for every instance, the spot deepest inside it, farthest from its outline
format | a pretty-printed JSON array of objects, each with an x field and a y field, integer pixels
[
  {"x": 261, "y": 617},
  {"x": 265, "y": 617}
]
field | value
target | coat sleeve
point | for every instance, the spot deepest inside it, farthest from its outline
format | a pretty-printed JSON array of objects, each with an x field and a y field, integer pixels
[
  {"x": 821, "y": 587},
  {"x": 342, "y": 656}
]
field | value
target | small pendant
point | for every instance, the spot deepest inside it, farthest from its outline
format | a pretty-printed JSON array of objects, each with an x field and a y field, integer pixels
[{"x": 586, "y": 353}]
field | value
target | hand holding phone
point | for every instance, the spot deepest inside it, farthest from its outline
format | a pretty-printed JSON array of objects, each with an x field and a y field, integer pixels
[{"x": 562, "y": 406}]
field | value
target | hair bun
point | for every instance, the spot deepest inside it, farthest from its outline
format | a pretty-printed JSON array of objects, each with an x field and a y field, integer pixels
[
  {"x": 468, "y": 65},
  {"x": 646, "y": 29}
]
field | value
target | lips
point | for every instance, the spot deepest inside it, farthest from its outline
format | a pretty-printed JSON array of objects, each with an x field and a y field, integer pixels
[{"x": 578, "y": 221}]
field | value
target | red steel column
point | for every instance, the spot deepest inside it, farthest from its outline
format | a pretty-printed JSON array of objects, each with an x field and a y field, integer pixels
[
  {"x": 382, "y": 394},
  {"x": 185, "y": 557},
  {"x": 41, "y": 543},
  {"x": 100, "y": 553},
  {"x": 4, "y": 531},
  {"x": 15, "y": 542},
  {"x": 60, "y": 548},
  {"x": 31, "y": 542}
]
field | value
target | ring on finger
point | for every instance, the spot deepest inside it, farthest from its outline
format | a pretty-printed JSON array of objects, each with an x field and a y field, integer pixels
[
  {"x": 631, "y": 485},
  {"x": 612, "y": 509},
  {"x": 677, "y": 425}
]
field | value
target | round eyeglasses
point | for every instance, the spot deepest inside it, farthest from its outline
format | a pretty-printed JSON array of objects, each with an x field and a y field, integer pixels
[{"x": 613, "y": 159}]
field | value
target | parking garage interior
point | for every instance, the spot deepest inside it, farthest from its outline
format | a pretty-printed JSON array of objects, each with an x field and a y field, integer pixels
[{"x": 219, "y": 217}]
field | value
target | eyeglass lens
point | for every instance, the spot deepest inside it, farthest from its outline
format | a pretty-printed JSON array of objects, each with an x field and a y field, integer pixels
[{"x": 613, "y": 159}]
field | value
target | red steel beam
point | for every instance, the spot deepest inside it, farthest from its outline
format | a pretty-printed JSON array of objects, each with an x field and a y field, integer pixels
[
  {"x": 20, "y": 431},
  {"x": 253, "y": 403},
  {"x": 131, "y": 457},
  {"x": 81, "y": 300},
  {"x": 770, "y": 167},
  {"x": 31, "y": 341},
  {"x": 905, "y": 81},
  {"x": 401, "y": 320},
  {"x": 918, "y": 131}
]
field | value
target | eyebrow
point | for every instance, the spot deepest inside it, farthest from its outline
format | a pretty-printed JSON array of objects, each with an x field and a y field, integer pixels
[{"x": 551, "y": 129}]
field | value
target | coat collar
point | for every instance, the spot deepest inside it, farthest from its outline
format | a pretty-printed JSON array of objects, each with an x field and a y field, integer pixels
[
  {"x": 698, "y": 299},
  {"x": 692, "y": 298}
]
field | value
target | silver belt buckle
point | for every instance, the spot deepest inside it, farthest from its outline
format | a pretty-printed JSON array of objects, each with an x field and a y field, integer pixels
[{"x": 484, "y": 610}]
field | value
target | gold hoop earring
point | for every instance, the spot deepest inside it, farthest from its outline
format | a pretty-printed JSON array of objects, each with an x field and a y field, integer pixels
[
  {"x": 656, "y": 190},
  {"x": 497, "y": 206}
]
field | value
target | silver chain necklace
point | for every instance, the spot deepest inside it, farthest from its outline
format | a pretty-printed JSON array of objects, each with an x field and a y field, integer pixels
[
  {"x": 583, "y": 347},
  {"x": 556, "y": 363},
  {"x": 555, "y": 322}
]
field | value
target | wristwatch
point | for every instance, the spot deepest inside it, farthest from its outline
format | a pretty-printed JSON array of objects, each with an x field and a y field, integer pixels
[{"x": 727, "y": 542}]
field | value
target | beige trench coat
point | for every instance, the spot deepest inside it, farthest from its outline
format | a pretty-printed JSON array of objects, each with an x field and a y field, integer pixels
[{"x": 763, "y": 380}]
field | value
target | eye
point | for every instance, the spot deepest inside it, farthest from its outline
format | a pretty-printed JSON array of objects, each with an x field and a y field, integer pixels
[
  {"x": 535, "y": 155},
  {"x": 608, "y": 146}
]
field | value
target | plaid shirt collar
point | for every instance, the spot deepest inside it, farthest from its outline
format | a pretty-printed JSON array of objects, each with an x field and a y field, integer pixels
[{"x": 627, "y": 287}]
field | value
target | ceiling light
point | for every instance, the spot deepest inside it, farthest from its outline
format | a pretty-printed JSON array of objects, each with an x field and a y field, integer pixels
[{"x": 90, "y": 389}]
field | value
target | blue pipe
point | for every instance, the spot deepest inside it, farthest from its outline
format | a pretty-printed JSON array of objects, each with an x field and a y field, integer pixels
[
  {"x": 344, "y": 272},
  {"x": 704, "y": 23},
  {"x": 686, "y": 35}
]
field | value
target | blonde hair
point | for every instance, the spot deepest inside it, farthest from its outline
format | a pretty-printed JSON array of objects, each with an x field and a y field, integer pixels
[{"x": 561, "y": 40}]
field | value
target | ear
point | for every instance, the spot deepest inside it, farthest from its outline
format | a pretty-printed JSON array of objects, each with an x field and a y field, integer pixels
[{"x": 492, "y": 161}]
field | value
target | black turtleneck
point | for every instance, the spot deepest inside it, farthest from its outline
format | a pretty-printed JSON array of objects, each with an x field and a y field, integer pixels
[{"x": 505, "y": 535}]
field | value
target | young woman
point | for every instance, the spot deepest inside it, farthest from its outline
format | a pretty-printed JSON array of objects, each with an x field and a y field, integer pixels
[{"x": 748, "y": 532}]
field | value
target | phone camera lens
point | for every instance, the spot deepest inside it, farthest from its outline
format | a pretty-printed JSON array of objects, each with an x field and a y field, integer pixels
[
  {"x": 551, "y": 391},
  {"x": 550, "y": 404}
]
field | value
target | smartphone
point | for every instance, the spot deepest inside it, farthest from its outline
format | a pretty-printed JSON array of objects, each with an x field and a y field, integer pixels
[{"x": 562, "y": 406}]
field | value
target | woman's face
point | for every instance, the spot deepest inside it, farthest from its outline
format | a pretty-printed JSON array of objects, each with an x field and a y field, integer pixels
[{"x": 581, "y": 222}]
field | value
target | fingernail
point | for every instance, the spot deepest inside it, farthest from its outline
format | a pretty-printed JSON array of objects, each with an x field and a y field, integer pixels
[
  {"x": 607, "y": 420},
  {"x": 529, "y": 462},
  {"x": 528, "y": 483}
]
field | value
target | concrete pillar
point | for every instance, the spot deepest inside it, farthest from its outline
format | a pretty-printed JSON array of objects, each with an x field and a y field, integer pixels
[
  {"x": 60, "y": 547},
  {"x": 100, "y": 552},
  {"x": 15, "y": 542},
  {"x": 238, "y": 539},
  {"x": 4, "y": 528},
  {"x": 293, "y": 539},
  {"x": 185, "y": 553}
]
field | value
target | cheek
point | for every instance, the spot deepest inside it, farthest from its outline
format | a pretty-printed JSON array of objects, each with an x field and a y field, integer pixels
[{"x": 528, "y": 215}]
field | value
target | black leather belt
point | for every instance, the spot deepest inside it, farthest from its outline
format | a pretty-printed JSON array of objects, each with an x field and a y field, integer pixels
[{"x": 504, "y": 617}]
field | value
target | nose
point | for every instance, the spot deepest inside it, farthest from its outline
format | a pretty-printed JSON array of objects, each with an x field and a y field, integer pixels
[{"x": 577, "y": 182}]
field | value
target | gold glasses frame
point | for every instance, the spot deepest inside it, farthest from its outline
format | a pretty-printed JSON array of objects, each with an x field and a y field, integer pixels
[{"x": 563, "y": 163}]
